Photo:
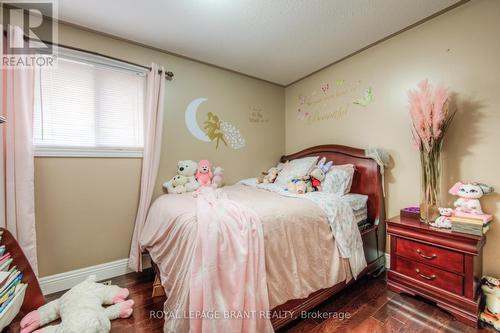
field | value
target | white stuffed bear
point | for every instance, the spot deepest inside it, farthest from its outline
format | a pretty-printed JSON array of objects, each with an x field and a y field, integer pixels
[
  {"x": 81, "y": 310},
  {"x": 188, "y": 169},
  {"x": 178, "y": 184},
  {"x": 469, "y": 194}
]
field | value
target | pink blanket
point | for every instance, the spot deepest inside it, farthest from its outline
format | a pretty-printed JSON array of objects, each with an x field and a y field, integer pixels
[
  {"x": 229, "y": 254},
  {"x": 301, "y": 253}
]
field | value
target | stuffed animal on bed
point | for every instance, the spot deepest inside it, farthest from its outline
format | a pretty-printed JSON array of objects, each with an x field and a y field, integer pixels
[
  {"x": 204, "y": 173},
  {"x": 271, "y": 174},
  {"x": 81, "y": 310},
  {"x": 187, "y": 169},
  {"x": 218, "y": 178},
  {"x": 178, "y": 184},
  {"x": 318, "y": 175},
  {"x": 297, "y": 185},
  {"x": 469, "y": 194}
]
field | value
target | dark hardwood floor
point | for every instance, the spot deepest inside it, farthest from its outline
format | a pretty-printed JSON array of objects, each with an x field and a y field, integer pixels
[{"x": 367, "y": 306}]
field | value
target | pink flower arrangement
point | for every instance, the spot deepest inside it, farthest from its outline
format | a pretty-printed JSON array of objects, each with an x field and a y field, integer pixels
[
  {"x": 430, "y": 117},
  {"x": 429, "y": 114}
]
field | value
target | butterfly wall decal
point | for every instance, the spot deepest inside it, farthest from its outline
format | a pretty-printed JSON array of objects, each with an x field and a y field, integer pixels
[{"x": 367, "y": 98}]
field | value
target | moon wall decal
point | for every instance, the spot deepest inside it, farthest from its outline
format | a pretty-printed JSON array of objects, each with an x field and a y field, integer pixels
[{"x": 191, "y": 123}]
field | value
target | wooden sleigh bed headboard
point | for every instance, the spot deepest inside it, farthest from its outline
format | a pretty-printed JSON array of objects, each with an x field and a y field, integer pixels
[{"x": 367, "y": 179}]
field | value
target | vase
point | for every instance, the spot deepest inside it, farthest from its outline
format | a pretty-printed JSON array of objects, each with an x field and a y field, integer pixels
[{"x": 430, "y": 186}]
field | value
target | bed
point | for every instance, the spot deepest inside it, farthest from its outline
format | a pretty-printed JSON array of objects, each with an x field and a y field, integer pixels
[{"x": 297, "y": 280}]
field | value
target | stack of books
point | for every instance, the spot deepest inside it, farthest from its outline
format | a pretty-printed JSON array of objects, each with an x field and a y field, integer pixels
[
  {"x": 467, "y": 223},
  {"x": 10, "y": 279}
]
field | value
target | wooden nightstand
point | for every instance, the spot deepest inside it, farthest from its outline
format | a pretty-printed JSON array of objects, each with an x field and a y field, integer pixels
[{"x": 440, "y": 265}]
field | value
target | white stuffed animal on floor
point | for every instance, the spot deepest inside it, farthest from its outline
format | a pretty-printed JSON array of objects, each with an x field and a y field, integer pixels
[
  {"x": 469, "y": 194},
  {"x": 491, "y": 291},
  {"x": 81, "y": 310}
]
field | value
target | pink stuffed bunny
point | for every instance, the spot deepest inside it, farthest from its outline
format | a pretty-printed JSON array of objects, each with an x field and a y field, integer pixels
[{"x": 204, "y": 173}]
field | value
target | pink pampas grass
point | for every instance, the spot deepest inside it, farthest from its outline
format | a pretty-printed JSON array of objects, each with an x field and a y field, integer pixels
[
  {"x": 429, "y": 114},
  {"x": 430, "y": 118}
]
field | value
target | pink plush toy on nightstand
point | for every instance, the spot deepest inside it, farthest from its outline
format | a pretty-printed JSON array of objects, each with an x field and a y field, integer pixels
[
  {"x": 469, "y": 194},
  {"x": 204, "y": 173}
]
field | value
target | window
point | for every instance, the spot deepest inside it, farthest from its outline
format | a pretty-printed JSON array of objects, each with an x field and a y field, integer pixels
[{"x": 89, "y": 105}]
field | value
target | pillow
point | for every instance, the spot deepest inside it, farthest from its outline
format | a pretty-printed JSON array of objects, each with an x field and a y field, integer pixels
[
  {"x": 339, "y": 179},
  {"x": 296, "y": 169}
]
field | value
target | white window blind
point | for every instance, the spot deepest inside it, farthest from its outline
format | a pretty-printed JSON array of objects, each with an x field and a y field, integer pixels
[{"x": 87, "y": 104}]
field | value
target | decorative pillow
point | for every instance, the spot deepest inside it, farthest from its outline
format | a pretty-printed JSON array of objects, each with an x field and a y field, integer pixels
[
  {"x": 339, "y": 179},
  {"x": 296, "y": 169}
]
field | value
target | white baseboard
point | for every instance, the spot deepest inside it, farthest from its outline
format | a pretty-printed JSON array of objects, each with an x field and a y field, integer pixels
[{"x": 63, "y": 281}]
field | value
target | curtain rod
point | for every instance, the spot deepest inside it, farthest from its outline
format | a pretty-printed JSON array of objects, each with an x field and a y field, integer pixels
[{"x": 168, "y": 74}]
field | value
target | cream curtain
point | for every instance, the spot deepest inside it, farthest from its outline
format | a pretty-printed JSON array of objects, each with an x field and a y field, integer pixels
[
  {"x": 153, "y": 124},
  {"x": 17, "y": 169}
]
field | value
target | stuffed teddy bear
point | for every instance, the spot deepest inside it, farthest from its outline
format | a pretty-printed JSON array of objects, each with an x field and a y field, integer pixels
[
  {"x": 271, "y": 174},
  {"x": 178, "y": 184},
  {"x": 444, "y": 220},
  {"x": 81, "y": 310},
  {"x": 469, "y": 194},
  {"x": 318, "y": 175},
  {"x": 297, "y": 185},
  {"x": 204, "y": 173},
  {"x": 187, "y": 169},
  {"x": 218, "y": 177}
]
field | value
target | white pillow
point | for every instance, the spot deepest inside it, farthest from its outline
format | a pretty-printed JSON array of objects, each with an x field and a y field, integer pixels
[
  {"x": 296, "y": 169},
  {"x": 339, "y": 179}
]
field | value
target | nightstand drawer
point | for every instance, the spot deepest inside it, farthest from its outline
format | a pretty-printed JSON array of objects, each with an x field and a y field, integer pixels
[
  {"x": 431, "y": 255},
  {"x": 430, "y": 275}
]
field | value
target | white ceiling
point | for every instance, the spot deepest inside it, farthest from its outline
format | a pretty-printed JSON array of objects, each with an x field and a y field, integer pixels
[{"x": 275, "y": 40}]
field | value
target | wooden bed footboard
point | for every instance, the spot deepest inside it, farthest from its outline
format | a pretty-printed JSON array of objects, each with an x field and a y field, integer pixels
[{"x": 367, "y": 180}]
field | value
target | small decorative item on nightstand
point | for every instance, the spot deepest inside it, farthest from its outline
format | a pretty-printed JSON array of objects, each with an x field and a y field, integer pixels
[{"x": 438, "y": 264}]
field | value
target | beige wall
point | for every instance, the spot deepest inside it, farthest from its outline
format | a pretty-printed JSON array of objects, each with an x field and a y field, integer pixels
[
  {"x": 459, "y": 49},
  {"x": 85, "y": 207}
]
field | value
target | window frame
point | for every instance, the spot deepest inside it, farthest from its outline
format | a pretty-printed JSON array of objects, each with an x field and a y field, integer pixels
[{"x": 103, "y": 152}]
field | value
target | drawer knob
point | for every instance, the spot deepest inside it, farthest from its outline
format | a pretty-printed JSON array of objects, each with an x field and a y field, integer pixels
[
  {"x": 426, "y": 257},
  {"x": 432, "y": 277}
]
